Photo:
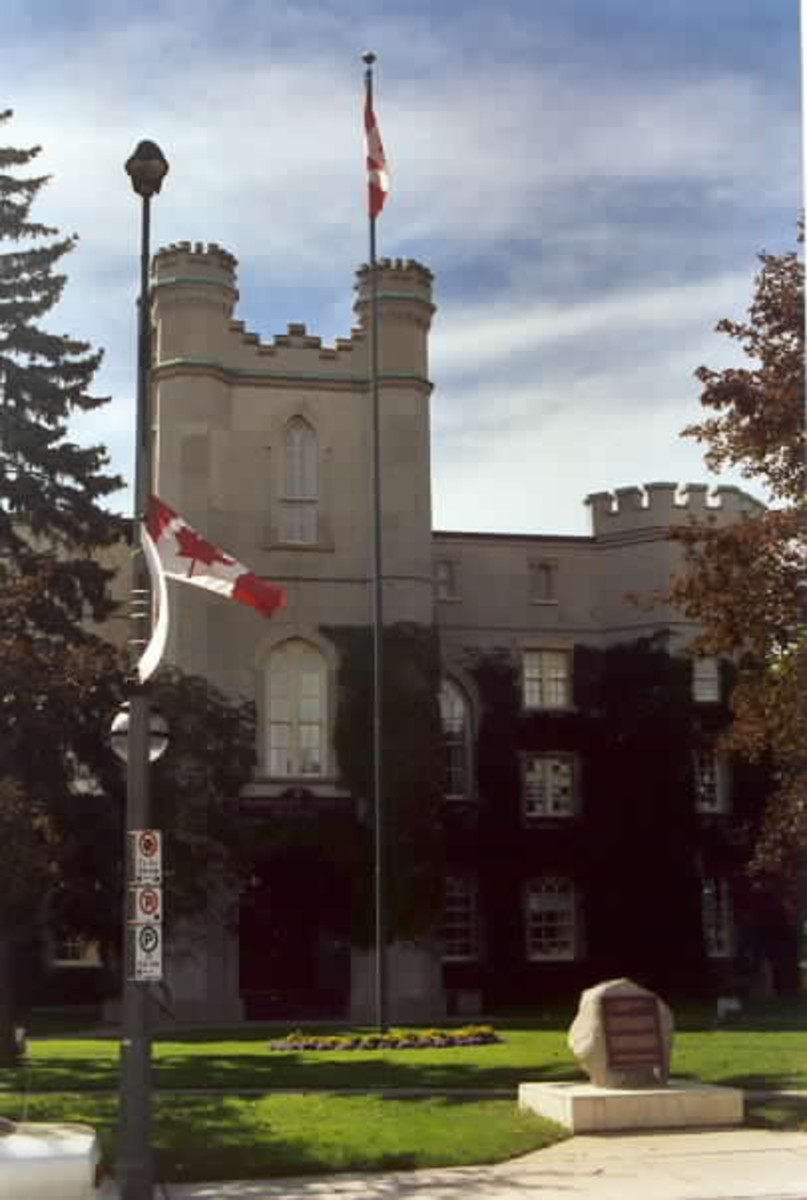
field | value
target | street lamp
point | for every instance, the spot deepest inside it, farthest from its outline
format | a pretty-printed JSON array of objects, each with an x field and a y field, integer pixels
[
  {"x": 119, "y": 734},
  {"x": 146, "y": 168}
]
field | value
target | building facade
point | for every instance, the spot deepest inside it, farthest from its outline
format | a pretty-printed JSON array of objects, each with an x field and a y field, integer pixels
[{"x": 575, "y": 806}]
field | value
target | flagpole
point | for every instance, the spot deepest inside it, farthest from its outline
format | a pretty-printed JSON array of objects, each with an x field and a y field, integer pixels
[{"x": 378, "y": 621}]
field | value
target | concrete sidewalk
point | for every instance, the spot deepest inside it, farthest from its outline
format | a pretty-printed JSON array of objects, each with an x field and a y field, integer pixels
[{"x": 737, "y": 1164}]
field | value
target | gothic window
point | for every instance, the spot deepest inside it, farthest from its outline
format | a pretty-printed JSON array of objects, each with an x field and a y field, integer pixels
[
  {"x": 455, "y": 717},
  {"x": 300, "y": 497},
  {"x": 296, "y": 695},
  {"x": 552, "y": 933}
]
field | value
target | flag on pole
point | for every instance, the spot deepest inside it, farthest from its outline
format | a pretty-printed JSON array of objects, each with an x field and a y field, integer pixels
[
  {"x": 377, "y": 174},
  {"x": 185, "y": 555}
]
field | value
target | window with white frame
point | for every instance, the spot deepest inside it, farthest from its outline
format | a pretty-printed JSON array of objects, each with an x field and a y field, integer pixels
[
  {"x": 550, "y": 785},
  {"x": 711, "y": 780},
  {"x": 296, "y": 682},
  {"x": 445, "y": 579},
  {"x": 543, "y": 581},
  {"x": 718, "y": 921},
  {"x": 458, "y": 930},
  {"x": 705, "y": 680},
  {"x": 547, "y": 678},
  {"x": 455, "y": 716},
  {"x": 300, "y": 497},
  {"x": 551, "y": 919},
  {"x": 74, "y": 952}
]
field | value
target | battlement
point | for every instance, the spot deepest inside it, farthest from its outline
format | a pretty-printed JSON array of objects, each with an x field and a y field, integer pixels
[
  {"x": 195, "y": 292},
  {"x": 659, "y": 505}
]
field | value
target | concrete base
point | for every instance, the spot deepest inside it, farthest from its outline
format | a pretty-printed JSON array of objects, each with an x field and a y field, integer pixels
[{"x": 586, "y": 1108}]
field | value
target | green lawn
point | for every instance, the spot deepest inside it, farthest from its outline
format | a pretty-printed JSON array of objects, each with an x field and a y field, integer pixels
[
  {"x": 239, "y": 1138},
  {"x": 749, "y": 1057},
  {"x": 314, "y": 1130}
]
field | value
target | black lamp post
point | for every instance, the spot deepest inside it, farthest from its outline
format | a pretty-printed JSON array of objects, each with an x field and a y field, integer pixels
[{"x": 146, "y": 168}]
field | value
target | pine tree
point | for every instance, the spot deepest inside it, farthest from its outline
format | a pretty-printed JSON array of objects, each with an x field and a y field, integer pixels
[
  {"x": 50, "y": 487},
  {"x": 57, "y": 678}
]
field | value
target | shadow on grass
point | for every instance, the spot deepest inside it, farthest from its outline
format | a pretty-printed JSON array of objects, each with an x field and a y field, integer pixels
[{"x": 781, "y": 1112}]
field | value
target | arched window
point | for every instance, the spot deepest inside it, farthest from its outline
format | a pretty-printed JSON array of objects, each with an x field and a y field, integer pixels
[
  {"x": 300, "y": 497},
  {"x": 455, "y": 717},
  {"x": 296, "y": 684},
  {"x": 552, "y": 932}
]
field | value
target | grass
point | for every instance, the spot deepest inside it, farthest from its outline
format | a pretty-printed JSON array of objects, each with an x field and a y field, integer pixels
[
  {"x": 251, "y": 1138},
  {"x": 315, "y": 1129},
  {"x": 747, "y": 1054}
]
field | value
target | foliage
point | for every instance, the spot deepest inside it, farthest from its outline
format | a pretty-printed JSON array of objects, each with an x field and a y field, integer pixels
[
  {"x": 411, "y": 749},
  {"x": 395, "y": 1039},
  {"x": 50, "y": 488},
  {"x": 744, "y": 583}
]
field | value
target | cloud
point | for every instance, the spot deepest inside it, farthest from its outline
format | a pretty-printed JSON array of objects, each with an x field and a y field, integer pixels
[{"x": 587, "y": 224}]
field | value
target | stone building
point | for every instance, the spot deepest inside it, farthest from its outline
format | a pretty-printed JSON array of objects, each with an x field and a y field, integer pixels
[{"x": 265, "y": 446}]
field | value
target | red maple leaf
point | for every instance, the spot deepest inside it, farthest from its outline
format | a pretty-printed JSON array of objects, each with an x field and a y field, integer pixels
[{"x": 193, "y": 546}]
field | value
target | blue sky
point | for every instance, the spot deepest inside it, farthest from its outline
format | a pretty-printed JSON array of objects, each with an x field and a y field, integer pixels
[{"x": 590, "y": 181}]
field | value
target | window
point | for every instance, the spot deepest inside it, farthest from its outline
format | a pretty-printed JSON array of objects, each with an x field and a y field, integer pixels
[
  {"x": 550, "y": 785},
  {"x": 718, "y": 924},
  {"x": 444, "y": 580},
  {"x": 75, "y": 952},
  {"x": 455, "y": 717},
  {"x": 300, "y": 484},
  {"x": 547, "y": 678},
  {"x": 459, "y": 926},
  {"x": 711, "y": 781},
  {"x": 296, "y": 683},
  {"x": 551, "y": 920},
  {"x": 705, "y": 680},
  {"x": 543, "y": 582}
]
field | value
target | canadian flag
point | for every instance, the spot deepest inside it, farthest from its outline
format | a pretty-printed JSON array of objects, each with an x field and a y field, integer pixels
[
  {"x": 377, "y": 174},
  {"x": 186, "y": 555},
  {"x": 174, "y": 549}
]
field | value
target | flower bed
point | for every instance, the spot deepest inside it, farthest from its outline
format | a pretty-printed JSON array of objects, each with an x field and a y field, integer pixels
[{"x": 394, "y": 1039}]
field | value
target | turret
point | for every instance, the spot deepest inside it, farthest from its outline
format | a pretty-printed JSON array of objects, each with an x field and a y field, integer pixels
[
  {"x": 194, "y": 292},
  {"x": 405, "y": 311}
]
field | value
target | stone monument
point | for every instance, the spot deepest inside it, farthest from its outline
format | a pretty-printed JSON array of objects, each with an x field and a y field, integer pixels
[{"x": 622, "y": 1035}]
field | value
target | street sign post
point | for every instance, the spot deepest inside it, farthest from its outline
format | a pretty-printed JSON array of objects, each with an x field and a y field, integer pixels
[{"x": 145, "y": 906}]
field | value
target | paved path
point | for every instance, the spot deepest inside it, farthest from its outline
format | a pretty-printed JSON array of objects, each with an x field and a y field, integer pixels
[{"x": 726, "y": 1165}]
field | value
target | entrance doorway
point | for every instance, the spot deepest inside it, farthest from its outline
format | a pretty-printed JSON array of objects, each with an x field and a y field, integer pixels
[{"x": 295, "y": 939}]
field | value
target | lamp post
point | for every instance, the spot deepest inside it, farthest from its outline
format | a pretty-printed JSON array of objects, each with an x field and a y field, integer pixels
[{"x": 146, "y": 168}]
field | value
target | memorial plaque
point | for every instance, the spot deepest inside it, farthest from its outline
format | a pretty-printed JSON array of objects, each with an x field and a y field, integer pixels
[{"x": 633, "y": 1037}]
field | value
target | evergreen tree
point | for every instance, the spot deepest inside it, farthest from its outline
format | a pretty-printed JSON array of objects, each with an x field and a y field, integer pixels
[
  {"x": 50, "y": 487},
  {"x": 57, "y": 678}
]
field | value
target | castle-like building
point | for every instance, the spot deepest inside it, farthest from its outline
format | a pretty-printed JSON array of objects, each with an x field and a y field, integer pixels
[{"x": 585, "y": 814}]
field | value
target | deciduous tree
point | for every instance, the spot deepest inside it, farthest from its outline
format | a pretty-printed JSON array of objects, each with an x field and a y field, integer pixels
[{"x": 744, "y": 584}]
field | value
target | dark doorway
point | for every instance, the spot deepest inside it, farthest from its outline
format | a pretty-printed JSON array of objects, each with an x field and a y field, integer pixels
[{"x": 295, "y": 939}]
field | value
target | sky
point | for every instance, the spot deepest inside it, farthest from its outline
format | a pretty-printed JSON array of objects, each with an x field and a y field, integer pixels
[{"x": 589, "y": 180}]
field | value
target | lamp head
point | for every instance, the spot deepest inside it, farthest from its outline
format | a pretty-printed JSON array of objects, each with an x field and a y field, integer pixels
[{"x": 147, "y": 168}]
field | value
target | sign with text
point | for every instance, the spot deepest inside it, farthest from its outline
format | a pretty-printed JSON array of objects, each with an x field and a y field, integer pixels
[
  {"x": 146, "y": 856},
  {"x": 632, "y": 1032},
  {"x": 147, "y": 944}
]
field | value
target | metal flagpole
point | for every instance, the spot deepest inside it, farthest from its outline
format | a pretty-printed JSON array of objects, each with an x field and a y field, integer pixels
[{"x": 378, "y": 622}]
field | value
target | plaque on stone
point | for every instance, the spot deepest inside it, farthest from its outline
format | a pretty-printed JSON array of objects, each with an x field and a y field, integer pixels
[{"x": 622, "y": 1035}]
